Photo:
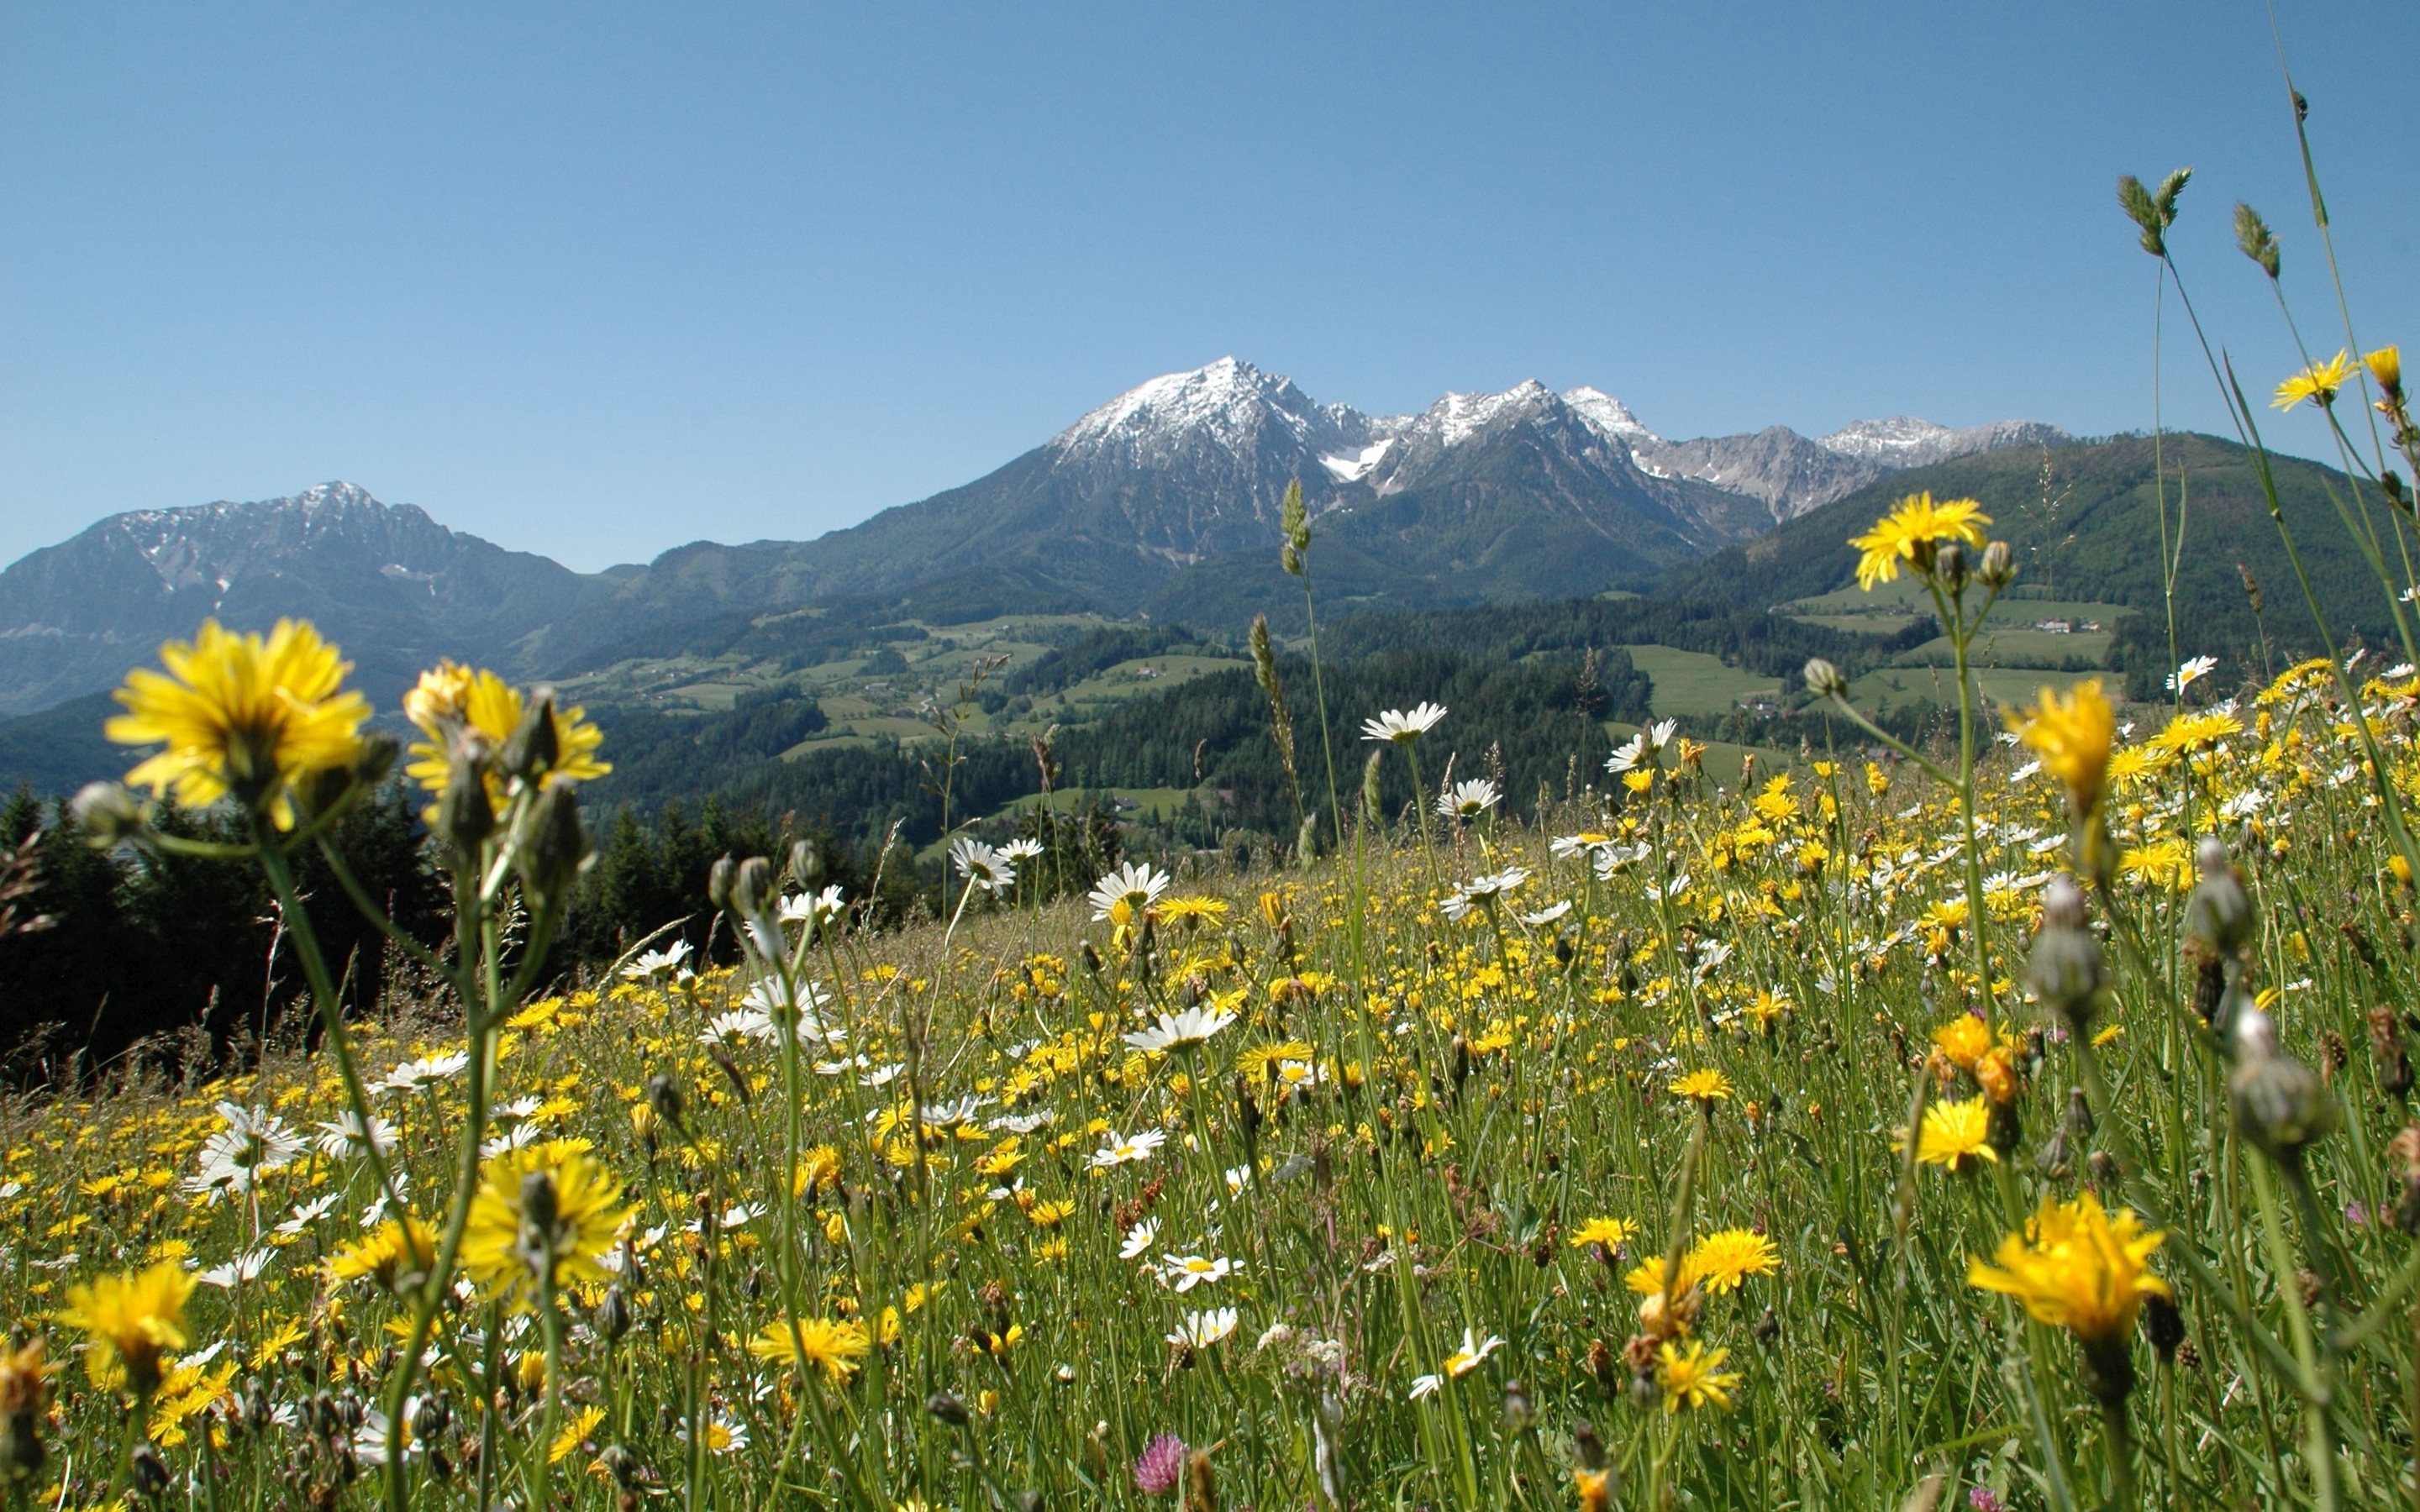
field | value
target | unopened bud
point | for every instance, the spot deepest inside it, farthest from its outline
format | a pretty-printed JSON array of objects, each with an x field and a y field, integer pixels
[
  {"x": 665, "y": 1096},
  {"x": 1998, "y": 567},
  {"x": 614, "y": 1313},
  {"x": 541, "y": 1208},
  {"x": 949, "y": 1408},
  {"x": 2218, "y": 916},
  {"x": 718, "y": 881},
  {"x": 752, "y": 887},
  {"x": 2065, "y": 969},
  {"x": 2279, "y": 1103},
  {"x": 806, "y": 863},
  {"x": 1949, "y": 565},
  {"x": 533, "y": 747},
  {"x": 109, "y": 813},
  {"x": 2163, "y": 1325},
  {"x": 557, "y": 846},
  {"x": 464, "y": 816},
  {"x": 151, "y": 1470},
  {"x": 1824, "y": 681}
]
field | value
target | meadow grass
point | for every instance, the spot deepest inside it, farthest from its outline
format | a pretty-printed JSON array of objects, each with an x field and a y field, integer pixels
[{"x": 1426, "y": 1185}]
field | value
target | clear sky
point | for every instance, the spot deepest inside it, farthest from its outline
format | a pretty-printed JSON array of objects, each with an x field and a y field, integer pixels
[{"x": 595, "y": 279}]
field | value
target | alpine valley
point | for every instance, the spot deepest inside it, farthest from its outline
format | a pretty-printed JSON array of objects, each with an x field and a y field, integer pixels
[
  {"x": 1161, "y": 504},
  {"x": 1545, "y": 551}
]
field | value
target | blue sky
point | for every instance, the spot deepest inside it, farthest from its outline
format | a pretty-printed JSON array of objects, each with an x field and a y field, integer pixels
[{"x": 594, "y": 280}]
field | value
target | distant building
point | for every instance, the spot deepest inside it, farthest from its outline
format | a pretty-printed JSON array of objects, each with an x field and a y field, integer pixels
[{"x": 2056, "y": 626}]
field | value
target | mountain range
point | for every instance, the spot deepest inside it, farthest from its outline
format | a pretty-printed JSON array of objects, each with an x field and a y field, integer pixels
[{"x": 1163, "y": 501}]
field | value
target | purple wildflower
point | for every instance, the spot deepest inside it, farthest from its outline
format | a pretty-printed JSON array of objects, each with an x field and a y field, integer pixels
[
  {"x": 1161, "y": 1465},
  {"x": 1983, "y": 1499},
  {"x": 2356, "y": 1215}
]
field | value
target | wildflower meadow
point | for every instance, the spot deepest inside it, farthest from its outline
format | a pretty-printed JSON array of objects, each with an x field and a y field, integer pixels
[{"x": 2017, "y": 1120}]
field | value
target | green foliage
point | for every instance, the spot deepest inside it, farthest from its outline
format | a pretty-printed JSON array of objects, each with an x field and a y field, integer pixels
[
  {"x": 152, "y": 944},
  {"x": 2094, "y": 534}
]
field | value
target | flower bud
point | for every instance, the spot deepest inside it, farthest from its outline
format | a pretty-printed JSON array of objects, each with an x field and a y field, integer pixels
[
  {"x": 665, "y": 1096},
  {"x": 2065, "y": 969},
  {"x": 718, "y": 882},
  {"x": 2218, "y": 916},
  {"x": 109, "y": 813},
  {"x": 1824, "y": 681},
  {"x": 2163, "y": 1325},
  {"x": 1998, "y": 567},
  {"x": 151, "y": 1476},
  {"x": 464, "y": 816},
  {"x": 619, "y": 1464},
  {"x": 2279, "y": 1103},
  {"x": 614, "y": 1313},
  {"x": 752, "y": 887},
  {"x": 531, "y": 749},
  {"x": 806, "y": 863},
  {"x": 948, "y": 1409},
  {"x": 2386, "y": 1052},
  {"x": 557, "y": 847},
  {"x": 541, "y": 1207},
  {"x": 1949, "y": 565},
  {"x": 2404, "y": 1152}
]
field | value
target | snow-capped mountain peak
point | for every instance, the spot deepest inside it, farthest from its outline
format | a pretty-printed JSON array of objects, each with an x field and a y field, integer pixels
[
  {"x": 1607, "y": 415},
  {"x": 1885, "y": 440},
  {"x": 1228, "y": 401}
]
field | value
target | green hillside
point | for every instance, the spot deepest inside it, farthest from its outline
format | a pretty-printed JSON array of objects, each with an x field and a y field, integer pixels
[{"x": 2085, "y": 529}]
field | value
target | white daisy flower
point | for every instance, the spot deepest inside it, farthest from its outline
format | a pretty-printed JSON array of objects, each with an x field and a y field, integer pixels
[
  {"x": 1138, "y": 886},
  {"x": 1191, "y": 1028},
  {"x": 1402, "y": 727},
  {"x": 1185, "y": 1271},
  {"x": 1202, "y": 1329},
  {"x": 1134, "y": 1147}
]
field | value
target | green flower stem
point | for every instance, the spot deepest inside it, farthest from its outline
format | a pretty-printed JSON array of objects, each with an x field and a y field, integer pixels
[
  {"x": 2117, "y": 1444},
  {"x": 2317, "y": 1392},
  {"x": 331, "y": 1013},
  {"x": 550, "y": 1321}
]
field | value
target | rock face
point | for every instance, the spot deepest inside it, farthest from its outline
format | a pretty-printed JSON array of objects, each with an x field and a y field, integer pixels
[{"x": 392, "y": 586}]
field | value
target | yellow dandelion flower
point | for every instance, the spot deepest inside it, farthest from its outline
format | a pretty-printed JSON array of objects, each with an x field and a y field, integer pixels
[
  {"x": 1595, "y": 1488},
  {"x": 1694, "y": 1379},
  {"x": 2386, "y": 365},
  {"x": 1721, "y": 1260},
  {"x": 1702, "y": 1087},
  {"x": 453, "y": 701},
  {"x": 1192, "y": 912},
  {"x": 831, "y": 1346},
  {"x": 2317, "y": 383},
  {"x": 2072, "y": 734},
  {"x": 1914, "y": 524},
  {"x": 1962, "y": 1041},
  {"x": 129, "y": 1322},
  {"x": 575, "y": 1432},
  {"x": 2076, "y": 1268},
  {"x": 400, "y": 1247},
  {"x": 241, "y": 716},
  {"x": 1953, "y": 1134},
  {"x": 1611, "y": 1232},
  {"x": 525, "y": 1230},
  {"x": 2192, "y": 732}
]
